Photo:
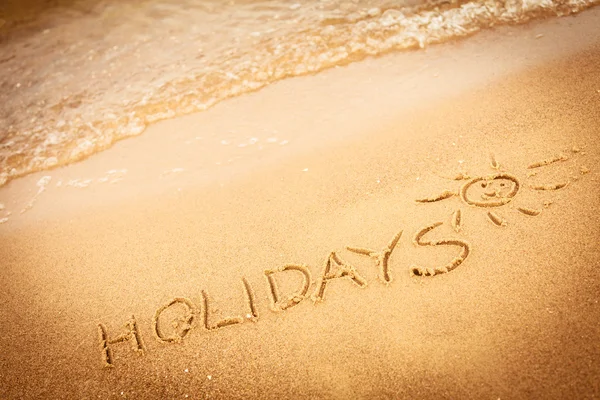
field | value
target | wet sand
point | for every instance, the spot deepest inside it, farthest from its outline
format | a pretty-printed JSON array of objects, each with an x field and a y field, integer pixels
[{"x": 177, "y": 255}]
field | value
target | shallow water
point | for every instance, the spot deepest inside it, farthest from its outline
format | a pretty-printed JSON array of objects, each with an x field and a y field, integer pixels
[{"x": 78, "y": 76}]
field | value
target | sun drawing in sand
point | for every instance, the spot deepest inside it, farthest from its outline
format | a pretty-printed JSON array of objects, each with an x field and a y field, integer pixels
[
  {"x": 490, "y": 193},
  {"x": 496, "y": 190}
]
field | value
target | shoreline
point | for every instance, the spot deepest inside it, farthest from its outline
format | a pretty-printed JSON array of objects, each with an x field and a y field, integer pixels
[
  {"x": 420, "y": 80},
  {"x": 514, "y": 319},
  {"x": 79, "y": 124}
]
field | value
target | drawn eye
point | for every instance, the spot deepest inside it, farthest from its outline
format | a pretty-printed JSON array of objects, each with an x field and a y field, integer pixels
[
  {"x": 503, "y": 184},
  {"x": 483, "y": 184}
]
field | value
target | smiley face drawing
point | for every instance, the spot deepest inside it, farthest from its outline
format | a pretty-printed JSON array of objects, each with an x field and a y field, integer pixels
[
  {"x": 496, "y": 190},
  {"x": 492, "y": 191}
]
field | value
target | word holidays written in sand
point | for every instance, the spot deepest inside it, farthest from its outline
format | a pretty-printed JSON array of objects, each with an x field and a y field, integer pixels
[{"x": 174, "y": 321}]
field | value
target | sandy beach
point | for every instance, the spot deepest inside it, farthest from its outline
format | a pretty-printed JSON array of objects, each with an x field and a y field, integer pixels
[{"x": 293, "y": 259}]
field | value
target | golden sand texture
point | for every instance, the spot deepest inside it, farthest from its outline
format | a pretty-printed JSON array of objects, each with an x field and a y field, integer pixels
[{"x": 201, "y": 288}]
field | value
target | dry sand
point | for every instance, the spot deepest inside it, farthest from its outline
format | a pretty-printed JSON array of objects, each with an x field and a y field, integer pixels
[{"x": 517, "y": 318}]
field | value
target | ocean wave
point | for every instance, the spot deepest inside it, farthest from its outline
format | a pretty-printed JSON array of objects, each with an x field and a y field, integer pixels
[{"x": 75, "y": 82}]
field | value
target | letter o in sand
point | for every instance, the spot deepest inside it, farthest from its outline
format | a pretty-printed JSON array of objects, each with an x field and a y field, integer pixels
[{"x": 181, "y": 326}]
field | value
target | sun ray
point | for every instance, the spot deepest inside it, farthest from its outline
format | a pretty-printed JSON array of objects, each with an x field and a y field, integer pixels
[
  {"x": 493, "y": 161},
  {"x": 548, "y": 161},
  {"x": 446, "y": 194},
  {"x": 554, "y": 186},
  {"x": 496, "y": 219},
  {"x": 457, "y": 220},
  {"x": 460, "y": 176},
  {"x": 529, "y": 211}
]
